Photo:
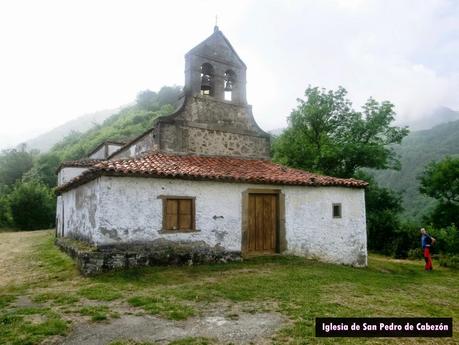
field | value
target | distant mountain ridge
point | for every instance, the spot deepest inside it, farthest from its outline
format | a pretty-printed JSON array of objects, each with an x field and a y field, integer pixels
[
  {"x": 45, "y": 141},
  {"x": 417, "y": 150},
  {"x": 429, "y": 120}
]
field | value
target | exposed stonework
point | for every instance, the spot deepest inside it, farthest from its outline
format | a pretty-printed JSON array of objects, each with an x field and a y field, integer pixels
[
  {"x": 92, "y": 260},
  {"x": 217, "y": 51},
  {"x": 207, "y": 124},
  {"x": 211, "y": 127}
]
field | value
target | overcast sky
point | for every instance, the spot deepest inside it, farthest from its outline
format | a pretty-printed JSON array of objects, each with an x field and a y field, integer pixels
[{"x": 61, "y": 59}]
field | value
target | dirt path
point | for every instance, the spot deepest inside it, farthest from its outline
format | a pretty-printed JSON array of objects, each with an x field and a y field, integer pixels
[
  {"x": 246, "y": 329},
  {"x": 15, "y": 247},
  {"x": 18, "y": 266}
]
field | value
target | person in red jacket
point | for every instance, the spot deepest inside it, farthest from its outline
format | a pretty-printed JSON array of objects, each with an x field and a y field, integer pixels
[{"x": 426, "y": 243}]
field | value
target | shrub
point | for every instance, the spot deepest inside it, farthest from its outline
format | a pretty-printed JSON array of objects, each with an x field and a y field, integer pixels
[
  {"x": 415, "y": 253},
  {"x": 6, "y": 220},
  {"x": 406, "y": 241},
  {"x": 447, "y": 239},
  {"x": 450, "y": 261},
  {"x": 32, "y": 205}
]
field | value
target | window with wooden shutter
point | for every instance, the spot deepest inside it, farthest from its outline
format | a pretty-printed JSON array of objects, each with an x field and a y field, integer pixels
[{"x": 178, "y": 213}]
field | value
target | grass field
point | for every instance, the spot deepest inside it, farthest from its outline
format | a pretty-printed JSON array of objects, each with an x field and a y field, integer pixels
[{"x": 43, "y": 297}]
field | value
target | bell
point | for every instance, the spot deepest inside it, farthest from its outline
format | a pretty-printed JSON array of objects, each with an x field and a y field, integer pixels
[
  {"x": 228, "y": 85},
  {"x": 205, "y": 83}
]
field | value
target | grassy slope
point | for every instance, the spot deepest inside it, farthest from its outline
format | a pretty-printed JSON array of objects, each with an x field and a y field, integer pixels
[
  {"x": 122, "y": 126},
  {"x": 298, "y": 288}
]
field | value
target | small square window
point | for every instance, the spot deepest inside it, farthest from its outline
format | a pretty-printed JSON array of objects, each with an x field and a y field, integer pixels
[{"x": 336, "y": 210}]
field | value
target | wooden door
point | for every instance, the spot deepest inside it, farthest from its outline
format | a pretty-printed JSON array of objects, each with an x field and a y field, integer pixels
[{"x": 262, "y": 225}]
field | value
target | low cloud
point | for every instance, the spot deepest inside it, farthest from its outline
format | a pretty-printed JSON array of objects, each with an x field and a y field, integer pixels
[{"x": 60, "y": 60}]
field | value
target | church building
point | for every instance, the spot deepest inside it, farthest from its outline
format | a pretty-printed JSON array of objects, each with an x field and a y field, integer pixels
[{"x": 202, "y": 177}]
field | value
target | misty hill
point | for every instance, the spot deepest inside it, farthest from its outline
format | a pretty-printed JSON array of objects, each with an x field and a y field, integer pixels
[
  {"x": 124, "y": 125},
  {"x": 416, "y": 151},
  {"x": 45, "y": 141},
  {"x": 434, "y": 118}
]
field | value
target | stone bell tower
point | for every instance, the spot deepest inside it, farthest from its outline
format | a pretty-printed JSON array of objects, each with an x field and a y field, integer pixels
[
  {"x": 213, "y": 68},
  {"x": 213, "y": 117}
]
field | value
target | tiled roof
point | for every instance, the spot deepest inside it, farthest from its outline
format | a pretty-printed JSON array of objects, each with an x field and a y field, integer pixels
[
  {"x": 81, "y": 163},
  {"x": 210, "y": 168}
]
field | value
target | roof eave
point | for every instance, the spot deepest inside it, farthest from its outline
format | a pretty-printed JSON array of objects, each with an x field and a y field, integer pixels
[{"x": 92, "y": 174}]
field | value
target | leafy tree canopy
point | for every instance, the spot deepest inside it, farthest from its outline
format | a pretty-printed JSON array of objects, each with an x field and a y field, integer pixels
[
  {"x": 150, "y": 100},
  {"x": 147, "y": 99},
  {"x": 44, "y": 169},
  {"x": 32, "y": 205},
  {"x": 327, "y": 135},
  {"x": 14, "y": 163},
  {"x": 169, "y": 95},
  {"x": 441, "y": 180},
  {"x": 383, "y": 207}
]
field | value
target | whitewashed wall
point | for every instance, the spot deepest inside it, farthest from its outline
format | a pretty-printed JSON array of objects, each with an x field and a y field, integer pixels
[
  {"x": 111, "y": 148},
  {"x": 99, "y": 154},
  {"x": 121, "y": 209},
  {"x": 312, "y": 231},
  {"x": 68, "y": 173},
  {"x": 105, "y": 150},
  {"x": 79, "y": 212}
]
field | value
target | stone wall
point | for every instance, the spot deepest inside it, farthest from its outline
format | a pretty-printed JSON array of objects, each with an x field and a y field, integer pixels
[
  {"x": 91, "y": 260},
  {"x": 218, "y": 52},
  {"x": 204, "y": 126},
  {"x": 214, "y": 127},
  {"x": 211, "y": 142}
]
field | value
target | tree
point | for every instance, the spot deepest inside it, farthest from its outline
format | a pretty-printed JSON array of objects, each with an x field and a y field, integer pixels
[
  {"x": 14, "y": 163},
  {"x": 5, "y": 212},
  {"x": 147, "y": 100},
  {"x": 441, "y": 181},
  {"x": 152, "y": 101},
  {"x": 326, "y": 135},
  {"x": 383, "y": 207},
  {"x": 169, "y": 95},
  {"x": 44, "y": 169},
  {"x": 32, "y": 205}
]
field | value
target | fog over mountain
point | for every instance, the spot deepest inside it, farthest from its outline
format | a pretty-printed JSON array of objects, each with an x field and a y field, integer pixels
[
  {"x": 53, "y": 68},
  {"x": 431, "y": 119},
  {"x": 82, "y": 123}
]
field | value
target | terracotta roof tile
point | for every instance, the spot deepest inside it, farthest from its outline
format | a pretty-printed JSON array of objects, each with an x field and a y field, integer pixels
[
  {"x": 81, "y": 163},
  {"x": 215, "y": 168}
]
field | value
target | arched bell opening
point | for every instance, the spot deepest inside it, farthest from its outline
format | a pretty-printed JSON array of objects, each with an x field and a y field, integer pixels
[
  {"x": 230, "y": 79},
  {"x": 207, "y": 79}
]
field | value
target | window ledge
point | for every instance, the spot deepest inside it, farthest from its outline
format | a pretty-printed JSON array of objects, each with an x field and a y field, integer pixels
[{"x": 163, "y": 231}]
